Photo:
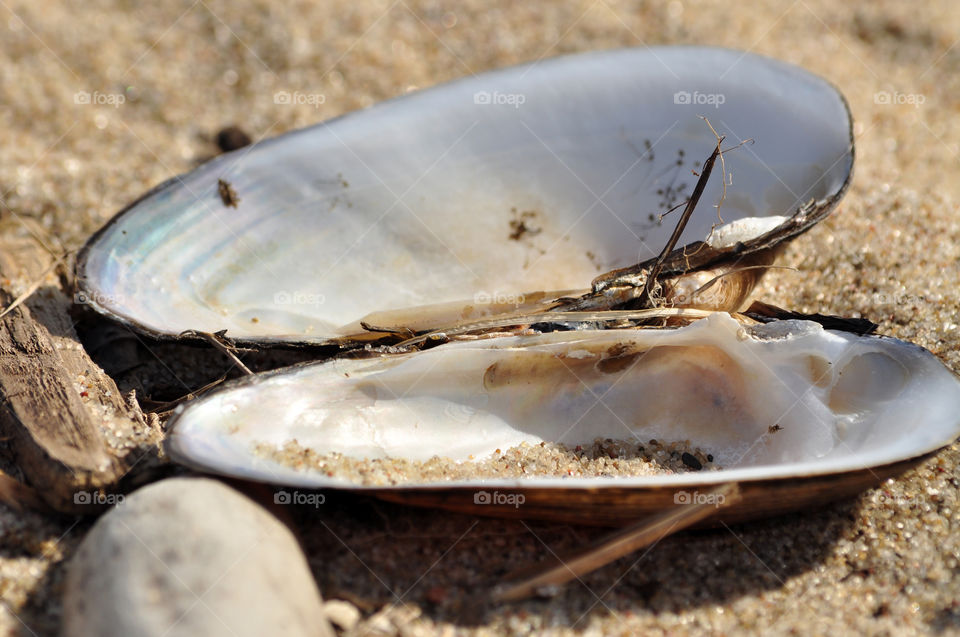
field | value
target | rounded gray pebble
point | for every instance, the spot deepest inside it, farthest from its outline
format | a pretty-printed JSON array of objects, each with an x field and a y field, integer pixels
[{"x": 191, "y": 556}]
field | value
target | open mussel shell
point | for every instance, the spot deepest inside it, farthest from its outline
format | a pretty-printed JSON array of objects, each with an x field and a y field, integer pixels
[
  {"x": 794, "y": 413},
  {"x": 537, "y": 177}
]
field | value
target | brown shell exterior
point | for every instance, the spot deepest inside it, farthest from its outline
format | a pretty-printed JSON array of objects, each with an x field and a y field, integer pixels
[{"x": 618, "y": 506}]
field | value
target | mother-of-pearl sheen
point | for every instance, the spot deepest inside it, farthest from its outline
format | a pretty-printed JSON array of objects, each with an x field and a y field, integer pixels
[{"x": 784, "y": 399}]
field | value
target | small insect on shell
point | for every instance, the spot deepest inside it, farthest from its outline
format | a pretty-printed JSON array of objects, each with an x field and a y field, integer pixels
[{"x": 227, "y": 194}]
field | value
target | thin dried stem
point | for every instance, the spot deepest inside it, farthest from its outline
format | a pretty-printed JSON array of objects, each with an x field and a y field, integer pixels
[
  {"x": 677, "y": 207},
  {"x": 33, "y": 286},
  {"x": 723, "y": 165},
  {"x": 650, "y": 531},
  {"x": 223, "y": 344},
  {"x": 647, "y": 295},
  {"x": 706, "y": 286},
  {"x": 162, "y": 409},
  {"x": 559, "y": 317}
]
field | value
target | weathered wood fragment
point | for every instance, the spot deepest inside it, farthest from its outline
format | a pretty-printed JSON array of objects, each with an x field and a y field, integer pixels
[{"x": 68, "y": 430}]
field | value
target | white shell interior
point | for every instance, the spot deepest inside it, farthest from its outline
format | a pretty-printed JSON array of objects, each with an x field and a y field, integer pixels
[
  {"x": 843, "y": 403},
  {"x": 410, "y": 202}
]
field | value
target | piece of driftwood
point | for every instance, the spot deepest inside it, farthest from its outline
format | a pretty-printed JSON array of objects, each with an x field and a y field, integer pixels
[
  {"x": 70, "y": 433},
  {"x": 19, "y": 496}
]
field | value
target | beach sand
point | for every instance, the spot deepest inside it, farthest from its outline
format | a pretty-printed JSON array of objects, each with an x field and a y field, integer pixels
[{"x": 885, "y": 563}]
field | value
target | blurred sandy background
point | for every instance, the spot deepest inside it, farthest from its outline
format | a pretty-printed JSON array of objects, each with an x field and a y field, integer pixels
[{"x": 888, "y": 563}]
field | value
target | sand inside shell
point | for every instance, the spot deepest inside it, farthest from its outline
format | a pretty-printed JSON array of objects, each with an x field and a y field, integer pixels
[{"x": 604, "y": 458}]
